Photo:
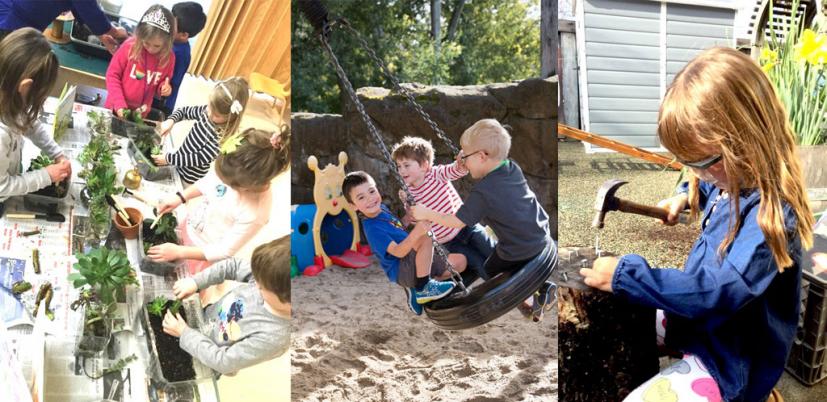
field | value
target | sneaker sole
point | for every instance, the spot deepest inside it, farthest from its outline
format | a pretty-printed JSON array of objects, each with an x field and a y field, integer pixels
[{"x": 434, "y": 297}]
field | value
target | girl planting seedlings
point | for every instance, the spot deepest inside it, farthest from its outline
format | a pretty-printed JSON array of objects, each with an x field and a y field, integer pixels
[
  {"x": 734, "y": 308},
  {"x": 237, "y": 199}
]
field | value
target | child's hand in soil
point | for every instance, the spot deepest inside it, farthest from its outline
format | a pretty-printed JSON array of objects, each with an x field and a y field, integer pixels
[
  {"x": 601, "y": 273},
  {"x": 674, "y": 205},
  {"x": 160, "y": 159},
  {"x": 59, "y": 171},
  {"x": 166, "y": 89},
  {"x": 63, "y": 158},
  {"x": 168, "y": 205},
  {"x": 164, "y": 252},
  {"x": 120, "y": 113},
  {"x": 165, "y": 127},
  {"x": 174, "y": 324},
  {"x": 184, "y": 288}
]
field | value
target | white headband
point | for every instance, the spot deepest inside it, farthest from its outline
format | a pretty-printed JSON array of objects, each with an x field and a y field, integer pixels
[{"x": 236, "y": 107}]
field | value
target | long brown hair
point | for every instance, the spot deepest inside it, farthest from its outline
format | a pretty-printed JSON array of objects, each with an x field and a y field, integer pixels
[
  {"x": 256, "y": 161},
  {"x": 144, "y": 32},
  {"x": 722, "y": 99},
  {"x": 220, "y": 103},
  {"x": 25, "y": 53}
]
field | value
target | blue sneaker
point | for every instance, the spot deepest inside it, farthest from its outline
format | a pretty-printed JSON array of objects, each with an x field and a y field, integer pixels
[
  {"x": 434, "y": 290},
  {"x": 415, "y": 307}
]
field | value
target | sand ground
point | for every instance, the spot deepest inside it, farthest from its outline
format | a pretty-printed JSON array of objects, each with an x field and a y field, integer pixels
[{"x": 354, "y": 339}]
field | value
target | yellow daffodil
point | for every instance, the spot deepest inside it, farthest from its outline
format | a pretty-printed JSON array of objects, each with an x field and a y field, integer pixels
[
  {"x": 811, "y": 48},
  {"x": 768, "y": 59}
]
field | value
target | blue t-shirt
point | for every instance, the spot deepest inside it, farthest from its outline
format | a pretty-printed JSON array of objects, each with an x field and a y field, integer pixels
[
  {"x": 39, "y": 14},
  {"x": 381, "y": 230},
  {"x": 182, "y": 63},
  {"x": 737, "y": 314}
]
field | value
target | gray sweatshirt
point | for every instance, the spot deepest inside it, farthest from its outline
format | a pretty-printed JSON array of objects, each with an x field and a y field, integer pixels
[
  {"x": 242, "y": 332},
  {"x": 12, "y": 181}
]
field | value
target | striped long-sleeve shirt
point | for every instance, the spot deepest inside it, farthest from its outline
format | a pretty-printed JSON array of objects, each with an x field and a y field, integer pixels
[
  {"x": 437, "y": 193},
  {"x": 192, "y": 159}
]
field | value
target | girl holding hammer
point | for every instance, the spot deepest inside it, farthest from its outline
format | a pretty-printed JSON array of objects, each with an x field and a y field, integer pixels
[{"x": 733, "y": 309}]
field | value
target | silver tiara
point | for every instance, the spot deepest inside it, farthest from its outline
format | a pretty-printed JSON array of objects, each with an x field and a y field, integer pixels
[{"x": 157, "y": 19}]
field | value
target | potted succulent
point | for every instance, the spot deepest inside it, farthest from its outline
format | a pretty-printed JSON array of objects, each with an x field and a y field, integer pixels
[
  {"x": 131, "y": 125},
  {"x": 102, "y": 275},
  {"x": 54, "y": 190}
]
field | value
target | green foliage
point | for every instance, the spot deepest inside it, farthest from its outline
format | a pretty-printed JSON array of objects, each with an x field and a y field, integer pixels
[
  {"x": 159, "y": 304},
  {"x": 120, "y": 364},
  {"x": 105, "y": 271},
  {"x": 101, "y": 177},
  {"x": 134, "y": 116},
  {"x": 97, "y": 122},
  {"x": 96, "y": 311},
  {"x": 156, "y": 306},
  {"x": 175, "y": 307},
  {"x": 165, "y": 229},
  {"x": 40, "y": 162},
  {"x": 495, "y": 41}
]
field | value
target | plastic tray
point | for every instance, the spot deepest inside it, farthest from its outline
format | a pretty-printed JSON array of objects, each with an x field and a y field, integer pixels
[
  {"x": 80, "y": 36},
  {"x": 89, "y": 345},
  {"x": 147, "y": 168},
  {"x": 195, "y": 319}
]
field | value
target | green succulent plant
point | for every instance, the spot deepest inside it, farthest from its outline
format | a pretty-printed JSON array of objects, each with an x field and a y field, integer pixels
[
  {"x": 156, "y": 306},
  {"x": 105, "y": 271},
  {"x": 40, "y": 162}
]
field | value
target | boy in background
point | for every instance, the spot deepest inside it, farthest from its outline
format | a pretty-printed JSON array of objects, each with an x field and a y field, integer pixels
[{"x": 191, "y": 20}]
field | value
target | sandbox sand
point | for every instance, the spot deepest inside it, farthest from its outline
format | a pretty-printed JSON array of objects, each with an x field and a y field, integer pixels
[{"x": 354, "y": 339}]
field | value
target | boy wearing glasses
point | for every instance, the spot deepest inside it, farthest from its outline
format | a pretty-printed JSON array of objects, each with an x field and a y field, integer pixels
[
  {"x": 502, "y": 198},
  {"x": 431, "y": 186}
]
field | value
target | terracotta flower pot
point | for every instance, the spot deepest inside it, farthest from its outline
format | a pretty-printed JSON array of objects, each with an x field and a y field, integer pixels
[{"x": 129, "y": 231}]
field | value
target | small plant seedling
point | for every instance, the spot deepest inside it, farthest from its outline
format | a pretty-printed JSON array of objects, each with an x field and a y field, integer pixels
[
  {"x": 175, "y": 306},
  {"x": 40, "y": 162},
  {"x": 120, "y": 364},
  {"x": 156, "y": 306}
]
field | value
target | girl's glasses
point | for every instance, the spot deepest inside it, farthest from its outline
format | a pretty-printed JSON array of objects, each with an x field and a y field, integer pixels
[
  {"x": 464, "y": 157},
  {"x": 704, "y": 164}
]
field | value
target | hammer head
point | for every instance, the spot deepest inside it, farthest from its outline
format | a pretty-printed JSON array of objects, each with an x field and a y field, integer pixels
[{"x": 605, "y": 201}]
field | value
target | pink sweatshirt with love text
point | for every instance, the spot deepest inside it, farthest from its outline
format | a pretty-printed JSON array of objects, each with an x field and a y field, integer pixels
[{"x": 132, "y": 83}]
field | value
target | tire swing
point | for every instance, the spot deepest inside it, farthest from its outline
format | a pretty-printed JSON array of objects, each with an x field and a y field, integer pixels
[{"x": 465, "y": 307}]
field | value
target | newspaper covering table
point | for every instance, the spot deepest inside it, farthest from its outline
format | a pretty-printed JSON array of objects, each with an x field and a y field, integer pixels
[{"x": 58, "y": 374}]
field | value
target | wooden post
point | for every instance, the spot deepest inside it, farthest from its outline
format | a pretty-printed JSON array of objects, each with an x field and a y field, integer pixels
[
  {"x": 548, "y": 38},
  {"x": 569, "y": 93},
  {"x": 607, "y": 346}
]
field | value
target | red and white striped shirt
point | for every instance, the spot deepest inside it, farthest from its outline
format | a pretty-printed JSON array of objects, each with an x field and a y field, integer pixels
[{"x": 437, "y": 193}]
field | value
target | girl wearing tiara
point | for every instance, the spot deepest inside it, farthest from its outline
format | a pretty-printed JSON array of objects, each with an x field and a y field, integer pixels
[
  {"x": 143, "y": 66},
  {"x": 219, "y": 118}
]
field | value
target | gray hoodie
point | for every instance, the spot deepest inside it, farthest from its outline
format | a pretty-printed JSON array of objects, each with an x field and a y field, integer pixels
[
  {"x": 242, "y": 332},
  {"x": 12, "y": 181}
]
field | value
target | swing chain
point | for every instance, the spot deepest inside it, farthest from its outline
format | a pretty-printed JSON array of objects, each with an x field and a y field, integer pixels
[
  {"x": 381, "y": 144},
  {"x": 408, "y": 95}
]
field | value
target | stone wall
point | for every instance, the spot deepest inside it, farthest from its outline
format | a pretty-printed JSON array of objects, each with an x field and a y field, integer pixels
[{"x": 529, "y": 107}]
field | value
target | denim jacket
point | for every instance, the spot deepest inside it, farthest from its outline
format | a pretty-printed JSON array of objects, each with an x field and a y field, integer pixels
[{"x": 738, "y": 314}]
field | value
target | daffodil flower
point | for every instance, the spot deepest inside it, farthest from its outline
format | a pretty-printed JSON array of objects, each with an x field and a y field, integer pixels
[{"x": 811, "y": 48}]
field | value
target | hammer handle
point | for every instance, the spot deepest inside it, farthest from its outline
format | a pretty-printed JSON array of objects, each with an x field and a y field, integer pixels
[{"x": 645, "y": 210}]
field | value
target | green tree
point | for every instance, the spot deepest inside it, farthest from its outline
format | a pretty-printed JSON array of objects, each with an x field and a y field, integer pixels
[{"x": 494, "y": 41}]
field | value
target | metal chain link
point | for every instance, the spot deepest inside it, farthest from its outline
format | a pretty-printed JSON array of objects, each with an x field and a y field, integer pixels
[
  {"x": 392, "y": 78},
  {"x": 443, "y": 253}
]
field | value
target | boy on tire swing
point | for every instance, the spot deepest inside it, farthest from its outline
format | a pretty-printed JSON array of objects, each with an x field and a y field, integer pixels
[
  {"x": 407, "y": 258},
  {"x": 501, "y": 197}
]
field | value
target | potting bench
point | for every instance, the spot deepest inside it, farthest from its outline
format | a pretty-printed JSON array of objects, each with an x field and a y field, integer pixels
[{"x": 46, "y": 349}]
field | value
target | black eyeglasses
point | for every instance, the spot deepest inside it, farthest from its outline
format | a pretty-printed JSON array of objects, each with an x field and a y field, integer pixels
[
  {"x": 704, "y": 164},
  {"x": 464, "y": 157}
]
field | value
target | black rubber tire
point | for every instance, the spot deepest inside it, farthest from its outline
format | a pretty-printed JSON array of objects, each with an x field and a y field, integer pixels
[{"x": 491, "y": 299}]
